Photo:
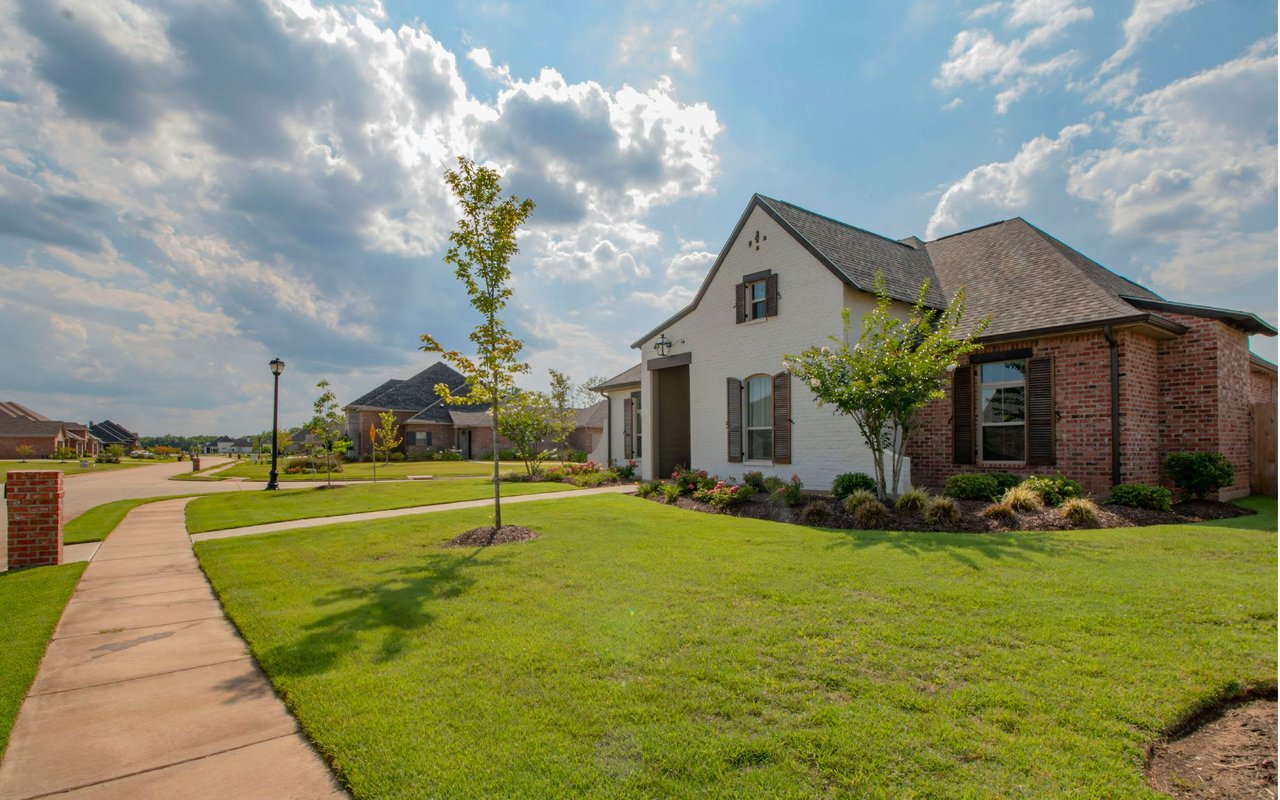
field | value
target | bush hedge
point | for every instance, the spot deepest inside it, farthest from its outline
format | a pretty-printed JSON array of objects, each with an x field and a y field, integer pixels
[
  {"x": 847, "y": 483},
  {"x": 1140, "y": 495},
  {"x": 1199, "y": 474}
]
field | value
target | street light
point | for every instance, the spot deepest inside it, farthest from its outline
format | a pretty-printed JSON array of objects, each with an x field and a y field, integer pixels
[{"x": 277, "y": 366}]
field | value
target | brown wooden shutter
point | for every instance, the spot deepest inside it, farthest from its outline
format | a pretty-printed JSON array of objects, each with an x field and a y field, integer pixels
[
  {"x": 782, "y": 418},
  {"x": 1040, "y": 444},
  {"x": 733, "y": 390},
  {"x": 771, "y": 295},
  {"x": 740, "y": 307},
  {"x": 962, "y": 415},
  {"x": 628, "y": 449}
]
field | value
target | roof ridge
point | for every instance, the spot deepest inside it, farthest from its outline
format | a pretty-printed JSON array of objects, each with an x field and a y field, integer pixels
[
  {"x": 971, "y": 230},
  {"x": 1061, "y": 244},
  {"x": 1112, "y": 300},
  {"x": 834, "y": 220}
]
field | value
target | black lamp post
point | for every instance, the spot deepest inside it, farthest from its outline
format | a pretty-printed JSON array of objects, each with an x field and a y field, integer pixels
[{"x": 277, "y": 366}]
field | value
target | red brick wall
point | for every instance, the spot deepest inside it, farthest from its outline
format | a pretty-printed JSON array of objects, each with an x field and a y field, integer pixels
[
  {"x": 364, "y": 419},
  {"x": 1139, "y": 408},
  {"x": 1262, "y": 386},
  {"x": 34, "y": 505},
  {"x": 44, "y": 445},
  {"x": 441, "y": 436}
]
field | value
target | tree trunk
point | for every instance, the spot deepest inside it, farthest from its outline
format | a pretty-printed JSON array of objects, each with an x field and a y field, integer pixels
[{"x": 497, "y": 485}]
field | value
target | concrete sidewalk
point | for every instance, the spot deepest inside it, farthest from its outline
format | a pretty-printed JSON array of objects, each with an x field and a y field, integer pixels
[
  {"x": 148, "y": 691},
  {"x": 366, "y": 516}
]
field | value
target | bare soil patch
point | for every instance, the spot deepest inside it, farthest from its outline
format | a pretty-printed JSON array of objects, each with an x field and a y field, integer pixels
[
  {"x": 1229, "y": 755},
  {"x": 971, "y": 519},
  {"x": 488, "y": 535}
]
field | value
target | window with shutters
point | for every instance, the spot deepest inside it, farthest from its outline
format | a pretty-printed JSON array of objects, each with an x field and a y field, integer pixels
[
  {"x": 637, "y": 448},
  {"x": 1002, "y": 411},
  {"x": 417, "y": 438},
  {"x": 759, "y": 391},
  {"x": 757, "y": 297}
]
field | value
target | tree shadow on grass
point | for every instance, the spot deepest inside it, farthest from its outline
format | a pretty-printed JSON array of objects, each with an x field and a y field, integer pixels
[
  {"x": 394, "y": 606},
  {"x": 966, "y": 548}
]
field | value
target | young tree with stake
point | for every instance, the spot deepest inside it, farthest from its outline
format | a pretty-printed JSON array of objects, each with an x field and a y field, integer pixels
[
  {"x": 480, "y": 248},
  {"x": 328, "y": 427}
]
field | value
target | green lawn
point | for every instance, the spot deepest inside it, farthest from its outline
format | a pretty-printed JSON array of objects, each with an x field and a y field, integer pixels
[
  {"x": 361, "y": 471},
  {"x": 239, "y": 509},
  {"x": 97, "y": 523},
  {"x": 65, "y": 467},
  {"x": 638, "y": 650},
  {"x": 31, "y": 601}
]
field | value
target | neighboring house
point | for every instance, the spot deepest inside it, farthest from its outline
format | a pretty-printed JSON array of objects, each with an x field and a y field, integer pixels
[
  {"x": 1083, "y": 372},
  {"x": 427, "y": 423},
  {"x": 241, "y": 446},
  {"x": 20, "y": 426},
  {"x": 110, "y": 433},
  {"x": 221, "y": 445}
]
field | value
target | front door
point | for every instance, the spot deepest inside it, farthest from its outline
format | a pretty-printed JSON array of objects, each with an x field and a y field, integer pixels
[
  {"x": 464, "y": 443},
  {"x": 671, "y": 387}
]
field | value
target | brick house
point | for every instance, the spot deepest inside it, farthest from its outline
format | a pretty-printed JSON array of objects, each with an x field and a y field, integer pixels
[
  {"x": 112, "y": 433},
  {"x": 428, "y": 424},
  {"x": 21, "y": 426},
  {"x": 1082, "y": 371}
]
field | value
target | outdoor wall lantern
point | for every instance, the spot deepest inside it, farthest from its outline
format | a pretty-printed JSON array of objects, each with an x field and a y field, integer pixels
[
  {"x": 663, "y": 345},
  {"x": 277, "y": 366}
]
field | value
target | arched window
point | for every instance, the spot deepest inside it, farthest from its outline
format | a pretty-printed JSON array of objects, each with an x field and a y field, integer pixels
[{"x": 759, "y": 390}]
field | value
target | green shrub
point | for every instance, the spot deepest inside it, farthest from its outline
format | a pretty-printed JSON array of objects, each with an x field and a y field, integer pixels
[
  {"x": 724, "y": 495},
  {"x": 1140, "y": 495},
  {"x": 859, "y": 498},
  {"x": 115, "y": 451},
  {"x": 1053, "y": 491},
  {"x": 818, "y": 512},
  {"x": 788, "y": 493},
  {"x": 589, "y": 480},
  {"x": 691, "y": 480},
  {"x": 1000, "y": 512},
  {"x": 670, "y": 492},
  {"x": 847, "y": 483},
  {"x": 103, "y": 459},
  {"x": 942, "y": 511},
  {"x": 872, "y": 516},
  {"x": 627, "y": 471},
  {"x": 396, "y": 456},
  {"x": 648, "y": 489},
  {"x": 517, "y": 477},
  {"x": 1199, "y": 474},
  {"x": 1080, "y": 511},
  {"x": 755, "y": 480},
  {"x": 912, "y": 501},
  {"x": 576, "y": 455},
  {"x": 447, "y": 455},
  {"x": 1022, "y": 498},
  {"x": 1004, "y": 481},
  {"x": 972, "y": 486}
]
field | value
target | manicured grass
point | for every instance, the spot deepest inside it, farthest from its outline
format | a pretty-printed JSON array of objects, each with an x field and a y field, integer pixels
[
  {"x": 65, "y": 467},
  {"x": 638, "y": 650},
  {"x": 97, "y": 523},
  {"x": 31, "y": 601},
  {"x": 238, "y": 509},
  {"x": 362, "y": 471}
]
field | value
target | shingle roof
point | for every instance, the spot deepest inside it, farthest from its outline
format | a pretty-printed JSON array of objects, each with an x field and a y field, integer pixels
[
  {"x": 592, "y": 416},
  {"x": 21, "y": 426},
  {"x": 363, "y": 400},
  {"x": 628, "y": 377},
  {"x": 416, "y": 394},
  {"x": 1025, "y": 279},
  {"x": 860, "y": 254},
  {"x": 112, "y": 433},
  {"x": 469, "y": 419},
  {"x": 11, "y": 410}
]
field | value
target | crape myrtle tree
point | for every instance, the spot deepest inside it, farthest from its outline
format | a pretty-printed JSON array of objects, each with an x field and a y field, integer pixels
[
  {"x": 387, "y": 438},
  {"x": 329, "y": 427},
  {"x": 480, "y": 248},
  {"x": 895, "y": 368}
]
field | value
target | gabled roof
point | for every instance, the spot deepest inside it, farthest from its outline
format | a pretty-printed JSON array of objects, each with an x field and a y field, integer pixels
[
  {"x": 1026, "y": 280},
  {"x": 852, "y": 254},
  {"x": 12, "y": 410},
  {"x": 469, "y": 419},
  {"x": 112, "y": 433},
  {"x": 21, "y": 426},
  {"x": 592, "y": 416},
  {"x": 624, "y": 379},
  {"x": 416, "y": 394}
]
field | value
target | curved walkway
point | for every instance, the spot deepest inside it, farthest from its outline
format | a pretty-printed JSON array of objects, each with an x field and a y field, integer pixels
[{"x": 148, "y": 691}]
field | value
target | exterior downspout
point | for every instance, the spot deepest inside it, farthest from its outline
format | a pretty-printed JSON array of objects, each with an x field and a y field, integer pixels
[
  {"x": 1115, "y": 404},
  {"x": 608, "y": 429}
]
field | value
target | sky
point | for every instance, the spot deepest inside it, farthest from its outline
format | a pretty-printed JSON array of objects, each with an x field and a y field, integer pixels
[{"x": 190, "y": 188}]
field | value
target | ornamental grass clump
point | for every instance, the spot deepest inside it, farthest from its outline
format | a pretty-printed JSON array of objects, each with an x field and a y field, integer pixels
[
  {"x": 818, "y": 512},
  {"x": 1053, "y": 491},
  {"x": 859, "y": 498},
  {"x": 648, "y": 489},
  {"x": 1080, "y": 512},
  {"x": 870, "y": 515},
  {"x": 912, "y": 501},
  {"x": 1022, "y": 498},
  {"x": 942, "y": 511},
  {"x": 1000, "y": 512}
]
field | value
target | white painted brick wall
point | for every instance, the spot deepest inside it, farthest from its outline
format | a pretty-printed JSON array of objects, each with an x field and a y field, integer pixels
[{"x": 810, "y": 299}]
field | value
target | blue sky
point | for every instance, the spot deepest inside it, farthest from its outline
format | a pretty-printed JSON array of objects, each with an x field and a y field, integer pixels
[{"x": 189, "y": 188}]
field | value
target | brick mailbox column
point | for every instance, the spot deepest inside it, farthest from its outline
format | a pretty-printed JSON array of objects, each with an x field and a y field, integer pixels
[{"x": 34, "y": 501}]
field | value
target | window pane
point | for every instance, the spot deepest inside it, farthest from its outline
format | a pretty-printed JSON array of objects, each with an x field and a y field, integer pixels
[
  {"x": 757, "y": 290},
  {"x": 1003, "y": 371},
  {"x": 758, "y": 309},
  {"x": 760, "y": 444},
  {"x": 1004, "y": 405},
  {"x": 1004, "y": 443},
  {"x": 760, "y": 402}
]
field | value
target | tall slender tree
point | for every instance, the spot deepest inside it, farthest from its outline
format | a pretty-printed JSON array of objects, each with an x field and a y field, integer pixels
[
  {"x": 480, "y": 250},
  {"x": 328, "y": 426}
]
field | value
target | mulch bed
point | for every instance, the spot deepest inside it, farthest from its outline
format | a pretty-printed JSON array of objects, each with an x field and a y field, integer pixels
[
  {"x": 1230, "y": 755},
  {"x": 971, "y": 519},
  {"x": 487, "y": 536}
]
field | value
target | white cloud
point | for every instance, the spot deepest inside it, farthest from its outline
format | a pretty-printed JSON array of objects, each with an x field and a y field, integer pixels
[
  {"x": 978, "y": 56},
  {"x": 481, "y": 57},
  {"x": 1001, "y": 187},
  {"x": 1147, "y": 16}
]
